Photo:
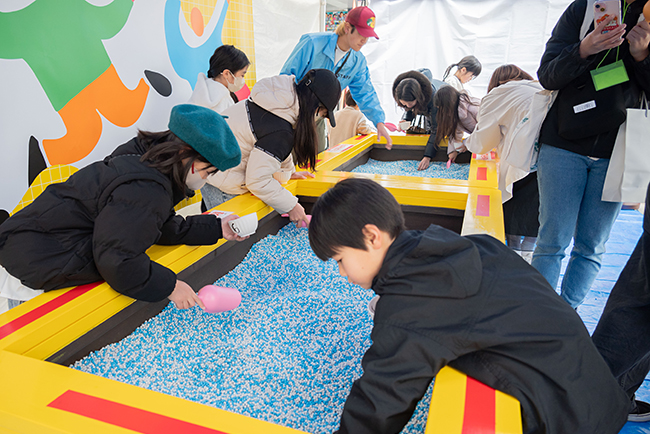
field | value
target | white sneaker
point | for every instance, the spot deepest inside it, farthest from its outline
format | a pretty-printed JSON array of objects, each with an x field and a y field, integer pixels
[{"x": 527, "y": 255}]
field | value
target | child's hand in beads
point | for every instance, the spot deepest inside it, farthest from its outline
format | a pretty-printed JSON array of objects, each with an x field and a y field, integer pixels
[{"x": 184, "y": 297}]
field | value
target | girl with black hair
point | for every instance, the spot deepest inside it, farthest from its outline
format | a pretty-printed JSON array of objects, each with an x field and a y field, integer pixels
[
  {"x": 99, "y": 224},
  {"x": 413, "y": 91},
  {"x": 278, "y": 118},
  {"x": 457, "y": 115},
  {"x": 228, "y": 67},
  {"x": 466, "y": 70}
]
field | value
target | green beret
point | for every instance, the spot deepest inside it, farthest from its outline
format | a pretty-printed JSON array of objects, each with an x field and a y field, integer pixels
[{"x": 208, "y": 133}]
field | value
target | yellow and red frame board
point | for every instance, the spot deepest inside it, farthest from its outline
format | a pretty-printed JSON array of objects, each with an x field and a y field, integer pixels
[{"x": 43, "y": 397}]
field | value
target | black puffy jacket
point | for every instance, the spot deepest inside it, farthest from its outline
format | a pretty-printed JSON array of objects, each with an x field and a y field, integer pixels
[
  {"x": 475, "y": 305},
  {"x": 561, "y": 65},
  {"x": 98, "y": 225}
]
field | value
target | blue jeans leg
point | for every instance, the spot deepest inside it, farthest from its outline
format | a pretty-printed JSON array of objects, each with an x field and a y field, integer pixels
[
  {"x": 570, "y": 187},
  {"x": 212, "y": 196}
]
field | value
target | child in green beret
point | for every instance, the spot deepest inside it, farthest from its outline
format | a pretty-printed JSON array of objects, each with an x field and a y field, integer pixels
[{"x": 99, "y": 223}]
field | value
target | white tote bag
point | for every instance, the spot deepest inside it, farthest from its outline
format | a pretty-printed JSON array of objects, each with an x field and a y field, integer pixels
[{"x": 628, "y": 173}]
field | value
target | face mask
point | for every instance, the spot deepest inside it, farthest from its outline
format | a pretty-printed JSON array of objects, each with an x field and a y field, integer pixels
[
  {"x": 237, "y": 84},
  {"x": 194, "y": 180}
]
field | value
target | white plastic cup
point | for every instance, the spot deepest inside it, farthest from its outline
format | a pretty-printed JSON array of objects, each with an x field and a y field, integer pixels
[
  {"x": 404, "y": 125},
  {"x": 283, "y": 176},
  {"x": 244, "y": 226}
]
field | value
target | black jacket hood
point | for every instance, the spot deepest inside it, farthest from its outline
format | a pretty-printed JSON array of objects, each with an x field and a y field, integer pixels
[{"x": 436, "y": 262}]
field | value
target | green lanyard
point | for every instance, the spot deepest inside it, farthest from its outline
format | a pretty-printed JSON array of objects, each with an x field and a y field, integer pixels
[{"x": 614, "y": 73}]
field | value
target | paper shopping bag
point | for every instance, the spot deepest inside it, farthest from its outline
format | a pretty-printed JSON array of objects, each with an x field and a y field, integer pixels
[{"x": 628, "y": 173}]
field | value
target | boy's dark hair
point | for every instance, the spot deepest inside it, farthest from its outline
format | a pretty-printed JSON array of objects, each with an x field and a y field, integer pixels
[
  {"x": 341, "y": 213},
  {"x": 349, "y": 101}
]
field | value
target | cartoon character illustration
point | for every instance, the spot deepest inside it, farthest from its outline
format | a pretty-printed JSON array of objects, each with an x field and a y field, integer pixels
[
  {"x": 188, "y": 61},
  {"x": 63, "y": 46}
]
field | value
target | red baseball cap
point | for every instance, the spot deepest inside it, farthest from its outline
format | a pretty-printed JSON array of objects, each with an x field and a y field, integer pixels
[{"x": 363, "y": 19}]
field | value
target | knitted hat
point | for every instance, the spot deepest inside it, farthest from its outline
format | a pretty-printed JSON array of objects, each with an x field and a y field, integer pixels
[
  {"x": 207, "y": 133},
  {"x": 363, "y": 19}
]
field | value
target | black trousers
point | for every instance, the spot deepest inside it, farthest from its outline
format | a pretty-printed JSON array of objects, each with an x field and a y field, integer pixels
[{"x": 623, "y": 333}]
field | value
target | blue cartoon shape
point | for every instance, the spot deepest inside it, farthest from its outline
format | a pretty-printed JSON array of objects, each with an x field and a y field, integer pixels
[{"x": 189, "y": 61}]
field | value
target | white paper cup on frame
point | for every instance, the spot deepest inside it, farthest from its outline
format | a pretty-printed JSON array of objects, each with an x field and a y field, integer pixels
[
  {"x": 283, "y": 176},
  {"x": 244, "y": 226}
]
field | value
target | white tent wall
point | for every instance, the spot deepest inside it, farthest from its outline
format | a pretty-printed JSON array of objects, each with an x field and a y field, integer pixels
[
  {"x": 278, "y": 27},
  {"x": 437, "y": 33}
]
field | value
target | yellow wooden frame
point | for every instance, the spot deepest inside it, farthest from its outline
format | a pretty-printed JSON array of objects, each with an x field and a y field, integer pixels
[{"x": 30, "y": 384}]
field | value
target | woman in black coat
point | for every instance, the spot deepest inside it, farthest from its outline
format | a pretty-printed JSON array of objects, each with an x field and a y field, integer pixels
[{"x": 99, "y": 223}]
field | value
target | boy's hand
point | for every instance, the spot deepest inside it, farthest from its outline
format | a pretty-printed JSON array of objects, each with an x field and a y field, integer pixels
[{"x": 184, "y": 297}]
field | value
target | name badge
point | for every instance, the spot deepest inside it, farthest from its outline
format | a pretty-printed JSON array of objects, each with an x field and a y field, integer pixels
[
  {"x": 584, "y": 106},
  {"x": 609, "y": 75}
]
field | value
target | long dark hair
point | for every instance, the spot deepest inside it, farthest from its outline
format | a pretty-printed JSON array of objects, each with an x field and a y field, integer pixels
[
  {"x": 305, "y": 141},
  {"x": 227, "y": 57},
  {"x": 447, "y": 100},
  {"x": 506, "y": 73},
  {"x": 470, "y": 63},
  {"x": 413, "y": 86},
  {"x": 166, "y": 152}
]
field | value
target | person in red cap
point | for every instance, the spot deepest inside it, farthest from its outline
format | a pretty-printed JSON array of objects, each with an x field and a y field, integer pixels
[{"x": 339, "y": 52}]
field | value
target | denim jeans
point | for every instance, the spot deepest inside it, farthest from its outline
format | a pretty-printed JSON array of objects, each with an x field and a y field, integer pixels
[
  {"x": 212, "y": 196},
  {"x": 570, "y": 188},
  {"x": 622, "y": 335}
]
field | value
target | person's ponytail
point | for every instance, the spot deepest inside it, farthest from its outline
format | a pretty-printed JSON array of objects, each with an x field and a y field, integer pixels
[{"x": 305, "y": 142}]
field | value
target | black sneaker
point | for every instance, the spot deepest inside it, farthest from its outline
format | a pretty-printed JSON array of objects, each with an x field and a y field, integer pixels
[{"x": 641, "y": 413}]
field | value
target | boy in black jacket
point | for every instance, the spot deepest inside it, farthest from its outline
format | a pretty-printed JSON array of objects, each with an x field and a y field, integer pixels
[{"x": 467, "y": 302}]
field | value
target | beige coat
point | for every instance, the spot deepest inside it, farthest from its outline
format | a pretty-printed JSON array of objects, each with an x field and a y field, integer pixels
[
  {"x": 501, "y": 111},
  {"x": 349, "y": 122},
  {"x": 255, "y": 172}
]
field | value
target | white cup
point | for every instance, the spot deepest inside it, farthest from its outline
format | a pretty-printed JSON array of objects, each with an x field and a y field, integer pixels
[
  {"x": 283, "y": 176},
  {"x": 244, "y": 226},
  {"x": 404, "y": 125}
]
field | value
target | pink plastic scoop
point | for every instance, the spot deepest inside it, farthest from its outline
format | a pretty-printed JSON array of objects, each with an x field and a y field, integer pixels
[{"x": 219, "y": 299}]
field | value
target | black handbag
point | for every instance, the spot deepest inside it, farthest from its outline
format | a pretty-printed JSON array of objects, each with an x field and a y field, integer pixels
[{"x": 584, "y": 112}]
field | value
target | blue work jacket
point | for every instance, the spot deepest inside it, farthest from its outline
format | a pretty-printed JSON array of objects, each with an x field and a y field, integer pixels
[{"x": 316, "y": 51}]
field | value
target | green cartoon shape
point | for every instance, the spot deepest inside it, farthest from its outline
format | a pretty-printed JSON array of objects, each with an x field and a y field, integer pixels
[{"x": 61, "y": 41}]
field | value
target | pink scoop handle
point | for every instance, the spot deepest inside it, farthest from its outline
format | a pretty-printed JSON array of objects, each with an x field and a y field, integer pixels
[
  {"x": 448, "y": 164},
  {"x": 219, "y": 299}
]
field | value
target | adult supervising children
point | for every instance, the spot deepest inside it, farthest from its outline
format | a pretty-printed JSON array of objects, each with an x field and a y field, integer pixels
[{"x": 340, "y": 53}]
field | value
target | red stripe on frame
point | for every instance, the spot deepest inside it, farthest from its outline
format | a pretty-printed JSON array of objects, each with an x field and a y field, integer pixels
[
  {"x": 480, "y": 408},
  {"x": 361, "y": 136},
  {"x": 481, "y": 174},
  {"x": 43, "y": 310},
  {"x": 483, "y": 205},
  {"x": 125, "y": 416}
]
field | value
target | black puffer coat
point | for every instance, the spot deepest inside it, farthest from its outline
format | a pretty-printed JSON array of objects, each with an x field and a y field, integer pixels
[
  {"x": 97, "y": 226},
  {"x": 475, "y": 305}
]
